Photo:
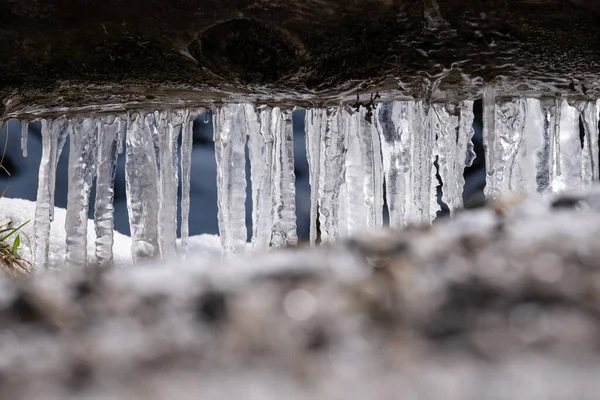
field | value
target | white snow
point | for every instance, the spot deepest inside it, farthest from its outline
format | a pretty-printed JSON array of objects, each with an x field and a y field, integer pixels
[{"x": 19, "y": 211}]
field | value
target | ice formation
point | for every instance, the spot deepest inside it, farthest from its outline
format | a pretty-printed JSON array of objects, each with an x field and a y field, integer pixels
[{"x": 398, "y": 154}]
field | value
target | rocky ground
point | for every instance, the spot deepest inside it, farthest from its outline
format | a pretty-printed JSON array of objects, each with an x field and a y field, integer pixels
[{"x": 500, "y": 302}]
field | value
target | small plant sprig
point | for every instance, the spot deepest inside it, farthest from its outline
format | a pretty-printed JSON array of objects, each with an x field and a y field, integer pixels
[{"x": 10, "y": 259}]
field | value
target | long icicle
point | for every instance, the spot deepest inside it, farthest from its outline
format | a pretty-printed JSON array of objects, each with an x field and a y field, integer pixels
[
  {"x": 187, "y": 143},
  {"x": 568, "y": 150},
  {"x": 260, "y": 149},
  {"x": 589, "y": 116},
  {"x": 52, "y": 132},
  {"x": 230, "y": 139},
  {"x": 548, "y": 164},
  {"x": 424, "y": 174},
  {"x": 166, "y": 136},
  {"x": 106, "y": 167},
  {"x": 466, "y": 147},
  {"x": 284, "y": 180},
  {"x": 451, "y": 157},
  {"x": 331, "y": 176},
  {"x": 315, "y": 124},
  {"x": 489, "y": 122},
  {"x": 82, "y": 168},
  {"x": 394, "y": 123},
  {"x": 24, "y": 135},
  {"x": 142, "y": 187},
  {"x": 510, "y": 125},
  {"x": 363, "y": 175},
  {"x": 344, "y": 117}
]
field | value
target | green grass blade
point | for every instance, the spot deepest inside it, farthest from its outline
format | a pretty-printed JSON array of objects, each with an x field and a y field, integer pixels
[
  {"x": 12, "y": 231},
  {"x": 16, "y": 244}
]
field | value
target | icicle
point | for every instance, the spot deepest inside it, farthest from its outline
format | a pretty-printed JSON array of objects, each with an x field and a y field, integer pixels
[
  {"x": 509, "y": 126},
  {"x": 121, "y": 129},
  {"x": 450, "y": 153},
  {"x": 187, "y": 143},
  {"x": 489, "y": 121},
  {"x": 568, "y": 150},
  {"x": 466, "y": 133},
  {"x": 106, "y": 167},
  {"x": 260, "y": 148},
  {"x": 53, "y": 132},
  {"x": 394, "y": 121},
  {"x": 166, "y": 136},
  {"x": 548, "y": 160},
  {"x": 363, "y": 175},
  {"x": 343, "y": 212},
  {"x": 590, "y": 167},
  {"x": 315, "y": 125},
  {"x": 82, "y": 163},
  {"x": 24, "y": 134},
  {"x": 424, "y": 175},
  {"x": 142, "y": 187},
  {"x": 284, "y": 180},
  {"x": 527, "y": 166},
  {"x": 331, "y": 176},
  {"x": 230, "y": 140}
]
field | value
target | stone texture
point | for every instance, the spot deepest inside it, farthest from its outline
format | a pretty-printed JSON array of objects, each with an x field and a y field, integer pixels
[{"x": 113, "y": 54}]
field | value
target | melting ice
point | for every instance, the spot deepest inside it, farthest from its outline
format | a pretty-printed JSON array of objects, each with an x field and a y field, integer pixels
[{"x": 399, "y": 155}]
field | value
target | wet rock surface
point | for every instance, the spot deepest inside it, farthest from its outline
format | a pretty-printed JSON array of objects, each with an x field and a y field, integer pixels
[
  {"x": 500, "y": 302},
  {"x": 95, "y": 55}
]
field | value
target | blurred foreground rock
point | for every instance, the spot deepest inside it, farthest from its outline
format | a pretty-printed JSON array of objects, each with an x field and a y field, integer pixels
[{"x": 501, "y": 302}]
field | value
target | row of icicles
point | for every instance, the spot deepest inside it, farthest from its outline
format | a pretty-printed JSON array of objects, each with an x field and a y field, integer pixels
[{"x": 530, "y": 146}]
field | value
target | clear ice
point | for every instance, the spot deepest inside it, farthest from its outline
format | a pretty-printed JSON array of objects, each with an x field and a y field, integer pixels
[
  {"x": 141, "y": 176},
  {"x": 82, "y": 170},
  {"x": 283, "y": 180},
  {"x": 54, "y": 133},
  {"x": 332, "y": 170},
  {"x": 106, "y": 167},
  {"x": 364, "y": 178},
  {"x": 229, "y": 122},
  {"x": 187, "y": 143},
  {"x": 405, "y": 149},
  {"x": 24, "y": 135}
]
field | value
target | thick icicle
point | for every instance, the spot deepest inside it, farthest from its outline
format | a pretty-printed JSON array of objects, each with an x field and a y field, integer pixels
[
  {"x": 187, "y": 143},
  {"x": 260, "y": 148},
  {"x": 568, "y": 150},
  {"x": 230, "y": 139},
  {"x": 331, "y": 176},
  {"x": 166, "y": 136},
  {"x": 509, "y": 128},
  {"x": 82, "y": 167},
  {"x": 525, "y": 172},
  {"x": 142, "y": 187},
  {"x": 106, "y": 167},
  {"x": 451, "y": 153},
  {"x": 315, "y": 125},
  {"x": 284, "y": 180},
  {"x": 466, "y": 133},
  {"x": 394, "y": 121},
  {"x": 424, "y": 176},
  {"x": 489, "y": 121},
  {"x": 548, "y": 157},
  {"x": 589, "y": 116},
  {"x": 24, "y": 134},
  {"x": 363, "y": 175},
  {"x": 53, "y": 132}
]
